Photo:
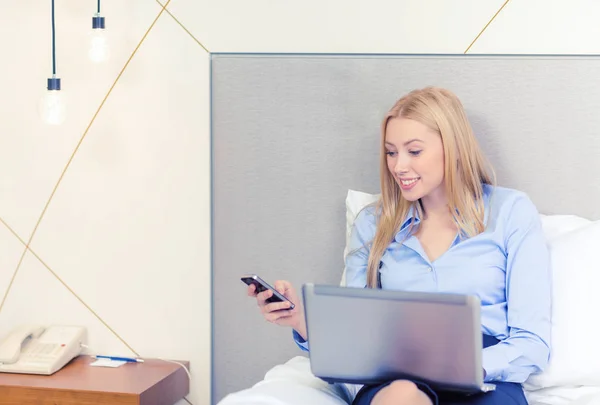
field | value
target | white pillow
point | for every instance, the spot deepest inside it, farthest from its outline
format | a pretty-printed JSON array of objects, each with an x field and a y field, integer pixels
[
  {"x": 557, "y": 225},
  {"x": 573, "y": 242},
  {"x": 575, "y": 355}
]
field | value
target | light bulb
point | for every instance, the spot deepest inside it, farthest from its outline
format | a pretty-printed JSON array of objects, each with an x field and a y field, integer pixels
[
  {"x": 52, "y": 107},
  {"x": 99, "y": 51}
]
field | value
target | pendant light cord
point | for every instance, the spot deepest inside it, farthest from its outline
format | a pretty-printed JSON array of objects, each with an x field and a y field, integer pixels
[
  {"x": 98, "y": 6},
  {"x": 53, "y": 43}
]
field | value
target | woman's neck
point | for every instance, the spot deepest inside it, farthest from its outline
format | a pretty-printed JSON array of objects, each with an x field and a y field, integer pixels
[{"x": 436, "y": 207}]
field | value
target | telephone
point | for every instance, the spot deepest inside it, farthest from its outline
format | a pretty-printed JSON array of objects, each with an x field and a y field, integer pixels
[{"x": 34, "y": 349}]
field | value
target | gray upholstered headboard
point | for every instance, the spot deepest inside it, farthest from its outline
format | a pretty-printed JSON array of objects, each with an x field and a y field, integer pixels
[{"x": 292, "y": 133}]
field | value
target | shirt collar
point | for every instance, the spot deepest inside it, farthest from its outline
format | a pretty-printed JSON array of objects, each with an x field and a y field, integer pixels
[{"x": 412, "y": 216}]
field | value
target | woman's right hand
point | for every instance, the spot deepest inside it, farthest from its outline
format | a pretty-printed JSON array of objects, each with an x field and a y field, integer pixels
[{"x": 279, "y": 312}]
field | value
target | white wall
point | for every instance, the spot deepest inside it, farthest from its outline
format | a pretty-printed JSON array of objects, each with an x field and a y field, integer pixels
[{"x": 123, "y": 247}]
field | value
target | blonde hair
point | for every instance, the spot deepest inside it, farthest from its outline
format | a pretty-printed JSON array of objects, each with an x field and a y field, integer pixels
[{"x": 466, "y": 170}]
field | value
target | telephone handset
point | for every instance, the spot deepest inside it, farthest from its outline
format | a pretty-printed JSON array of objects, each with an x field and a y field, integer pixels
[{"x": 34, "y": 349}]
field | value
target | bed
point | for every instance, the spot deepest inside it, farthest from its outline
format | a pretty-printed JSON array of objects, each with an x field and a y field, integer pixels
[{"x": 294, "y": 155}]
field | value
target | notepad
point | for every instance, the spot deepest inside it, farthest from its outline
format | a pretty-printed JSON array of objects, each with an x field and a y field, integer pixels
[{"x": 107, "y": 363}]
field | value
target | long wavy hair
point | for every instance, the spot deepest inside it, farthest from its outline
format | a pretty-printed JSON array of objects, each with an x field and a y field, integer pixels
[{"x": 466, "y": 170}]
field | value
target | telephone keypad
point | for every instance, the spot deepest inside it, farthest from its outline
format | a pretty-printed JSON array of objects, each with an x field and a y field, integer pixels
[{"x": 42, "y": 351}]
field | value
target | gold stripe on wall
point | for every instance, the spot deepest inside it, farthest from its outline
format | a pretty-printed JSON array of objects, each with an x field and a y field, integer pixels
[
  {"x": 487, "y": 25},
  {"x": 12, "y": 231},
  {"x": 184, "y": 28}
]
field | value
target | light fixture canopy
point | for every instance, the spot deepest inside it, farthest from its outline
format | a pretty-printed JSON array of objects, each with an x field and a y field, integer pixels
[
  {"x": 53, "y": 83},
  {"x": 98, "y": 22}
]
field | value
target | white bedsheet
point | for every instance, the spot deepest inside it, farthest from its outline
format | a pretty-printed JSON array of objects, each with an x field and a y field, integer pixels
[
  {"x": 292, "y": 383},
  {"x": 565, "y": 396}
]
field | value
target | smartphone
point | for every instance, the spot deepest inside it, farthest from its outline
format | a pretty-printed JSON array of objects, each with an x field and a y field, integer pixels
[{"x": 261, "y": 285}]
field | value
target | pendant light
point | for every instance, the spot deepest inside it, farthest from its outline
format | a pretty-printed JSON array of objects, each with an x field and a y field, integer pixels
[
  {"x": 52, "y": 106},
  {"x": 99, "y": 51}
]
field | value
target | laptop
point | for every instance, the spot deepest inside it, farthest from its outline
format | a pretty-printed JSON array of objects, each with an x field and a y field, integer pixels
[{"x": 369, "y": 336}]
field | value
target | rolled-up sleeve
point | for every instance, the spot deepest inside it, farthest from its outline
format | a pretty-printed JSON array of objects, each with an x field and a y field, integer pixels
[
  {"x": 528, "y": 296},
  {"x": 302, "y": 344}
]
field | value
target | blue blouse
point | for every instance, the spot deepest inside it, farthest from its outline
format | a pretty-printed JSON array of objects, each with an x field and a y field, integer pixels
[{"x": 507, "y": 266}]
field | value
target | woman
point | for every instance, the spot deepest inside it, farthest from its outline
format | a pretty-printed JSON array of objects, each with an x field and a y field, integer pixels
[{"x": 442, "y": 225}]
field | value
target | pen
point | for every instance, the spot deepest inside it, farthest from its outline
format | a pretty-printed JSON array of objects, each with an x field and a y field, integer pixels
[{"x": 127, "y": 359}]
